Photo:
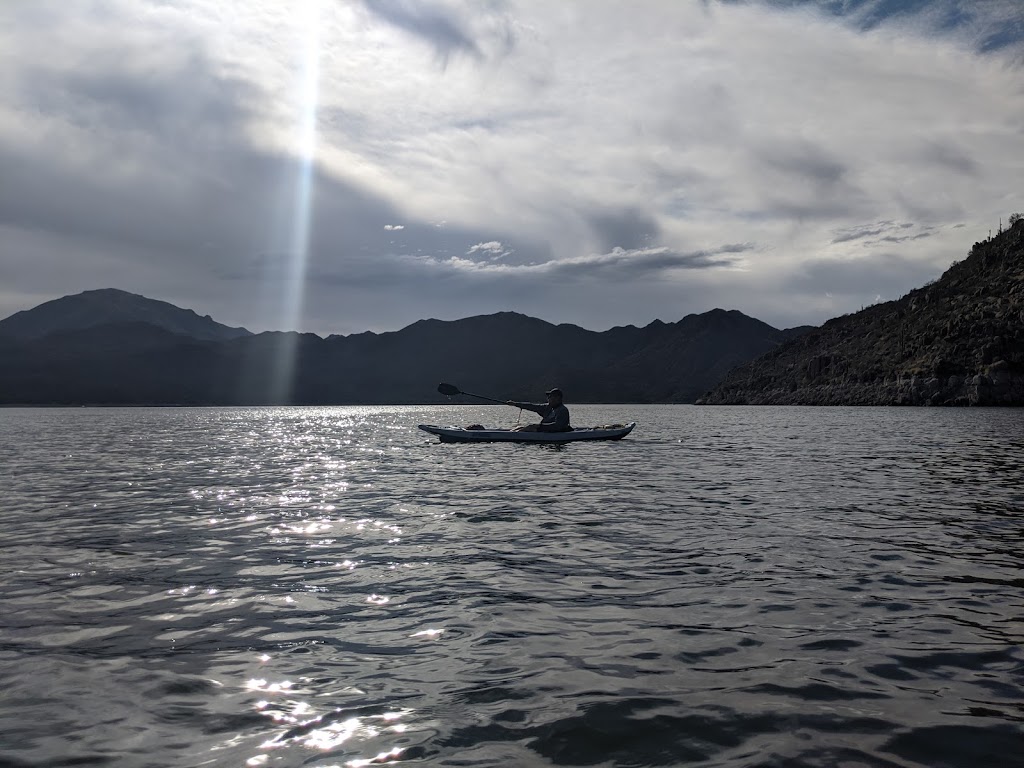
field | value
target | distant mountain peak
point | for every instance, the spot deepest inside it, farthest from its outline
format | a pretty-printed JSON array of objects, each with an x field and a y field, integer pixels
[
  {"x": 111, "y": 292},
  {"x": 106, "y": 306}
]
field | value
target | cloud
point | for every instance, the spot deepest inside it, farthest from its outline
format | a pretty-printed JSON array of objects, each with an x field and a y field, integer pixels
[
  {"x": 440, "y": 26},
  {"x": 492, "y": 250},
  {"x": 627, "y": 228},
  {"x": 988, "y": 25},
  {"x": 804, "y": 161},
  {"x": 619, "y": 263},
  {"x": 948, "y": 154},
  {"x": 848, "y": 234},
  {"x": 587, "y": 165},
  {"x": 865, "y": 278},
  {"x": 631, "y": 263},
  {"x": 884, "y": 232}
]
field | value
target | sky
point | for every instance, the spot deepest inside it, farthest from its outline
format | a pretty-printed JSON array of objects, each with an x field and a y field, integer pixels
[{"x": 337, "y": 166}]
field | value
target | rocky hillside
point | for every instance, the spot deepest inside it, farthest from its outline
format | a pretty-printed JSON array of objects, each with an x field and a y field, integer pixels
[{"x": 956, "y": 341}]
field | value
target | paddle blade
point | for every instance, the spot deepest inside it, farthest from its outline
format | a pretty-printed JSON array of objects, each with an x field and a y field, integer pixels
[{"x": 448, "y": 389}]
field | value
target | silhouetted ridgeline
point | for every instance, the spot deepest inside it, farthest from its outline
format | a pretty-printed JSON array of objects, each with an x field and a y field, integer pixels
[
  {"x": 63, "y": 353},
  {"x": 106, "y": 306},
  {"x": 957, "y": 341}
]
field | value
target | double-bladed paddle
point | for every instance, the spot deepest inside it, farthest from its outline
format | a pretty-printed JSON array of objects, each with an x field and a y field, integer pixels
[{"x": 451, "y": 389}]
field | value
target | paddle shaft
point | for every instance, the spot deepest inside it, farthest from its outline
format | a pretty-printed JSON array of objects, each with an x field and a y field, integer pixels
[
  {"x": 451, "y": 389},
  {"x": 482, "y": 397}
]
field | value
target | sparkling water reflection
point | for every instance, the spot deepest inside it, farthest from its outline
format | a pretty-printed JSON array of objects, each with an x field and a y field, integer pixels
[{"x": 332, "y": 587}]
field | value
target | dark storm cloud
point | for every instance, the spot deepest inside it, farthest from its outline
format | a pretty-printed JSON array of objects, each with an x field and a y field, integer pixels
[
  {"x": 428, "y": 22},
  {"x": 803, "y": 181},
  {"x": 803, "y": 161},
  {"x": 624, "y": 228},
  {"x": 632, "y": 264},
  {"x": 895, "y": 239},
  {"x": 183, "y": 101},
  {"x": 883, "y": 274},
  {"x": 933, "y": 209},
  {"x": 619, "y": 265},
  {"x": 950, "y": 156},
  {"x": 165, "y": 164},
  {"x": 239, "y": 203},
  {"x": 884, "y": 232},
  {"x": 848, "y": 234}
]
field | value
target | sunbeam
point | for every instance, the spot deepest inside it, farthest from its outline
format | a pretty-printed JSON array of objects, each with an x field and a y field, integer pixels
[{"x": 300, "y": 221}]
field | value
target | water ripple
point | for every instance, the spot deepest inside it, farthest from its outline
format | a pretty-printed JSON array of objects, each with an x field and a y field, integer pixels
[{"x": 328, "y": 587}]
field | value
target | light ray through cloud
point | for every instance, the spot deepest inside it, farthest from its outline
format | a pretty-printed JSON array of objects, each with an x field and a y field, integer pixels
[{"x": 301, "y": 220}]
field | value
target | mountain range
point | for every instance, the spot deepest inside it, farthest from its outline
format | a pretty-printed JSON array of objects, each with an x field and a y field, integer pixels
[
  {"x": 112, "y": 347},
  {"x": 957, "y": 341}
]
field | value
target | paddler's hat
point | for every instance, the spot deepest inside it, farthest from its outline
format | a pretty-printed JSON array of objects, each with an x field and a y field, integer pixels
[{"x": 556, "y": 391}]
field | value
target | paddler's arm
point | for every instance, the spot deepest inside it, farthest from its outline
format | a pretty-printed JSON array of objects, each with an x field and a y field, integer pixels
[{"x": 535, "y": 407}]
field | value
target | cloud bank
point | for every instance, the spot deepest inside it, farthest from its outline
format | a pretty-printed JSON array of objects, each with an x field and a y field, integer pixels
[{"x": 590, "y": 163}]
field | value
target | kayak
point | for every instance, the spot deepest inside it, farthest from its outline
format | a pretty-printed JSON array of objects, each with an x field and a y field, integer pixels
[{"x": 461, "y": 435}]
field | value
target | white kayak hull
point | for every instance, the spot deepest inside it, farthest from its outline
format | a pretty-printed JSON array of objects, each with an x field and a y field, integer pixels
[{"x": 460, "y": 435}]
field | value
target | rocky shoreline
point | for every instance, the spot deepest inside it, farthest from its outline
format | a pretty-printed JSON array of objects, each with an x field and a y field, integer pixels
[{"x": 997, "y": 388}]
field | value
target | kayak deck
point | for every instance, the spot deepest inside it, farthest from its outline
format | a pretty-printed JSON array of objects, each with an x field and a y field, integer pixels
[{"x": 461, "y": 435}]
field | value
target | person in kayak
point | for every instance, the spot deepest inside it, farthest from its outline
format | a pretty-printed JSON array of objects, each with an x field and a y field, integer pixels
[{"x": 554, "y": 414}]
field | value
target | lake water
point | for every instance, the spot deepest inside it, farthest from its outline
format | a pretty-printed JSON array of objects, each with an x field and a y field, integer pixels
[{"x": 333, "y": 587}]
